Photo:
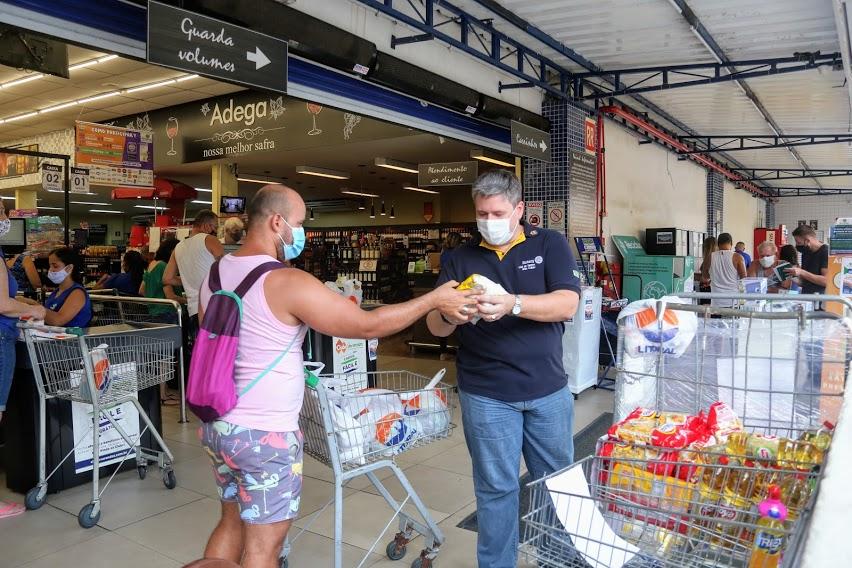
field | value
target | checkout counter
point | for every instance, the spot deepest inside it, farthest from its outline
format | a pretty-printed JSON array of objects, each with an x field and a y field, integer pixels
[{"x": 21, "y": 422}]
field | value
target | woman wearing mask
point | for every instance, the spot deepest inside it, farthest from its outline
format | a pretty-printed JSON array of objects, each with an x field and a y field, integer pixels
[
  {"x": 127, "y": 281},
  {"x": 10, "y": 311},
  {"x": 69, "y": 304}
]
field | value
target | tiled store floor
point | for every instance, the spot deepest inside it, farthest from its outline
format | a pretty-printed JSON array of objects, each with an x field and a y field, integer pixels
[{"x": 146, "y": 526}]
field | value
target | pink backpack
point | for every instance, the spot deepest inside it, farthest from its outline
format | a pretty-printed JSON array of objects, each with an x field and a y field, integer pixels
[{"x": 210, "y": 390}]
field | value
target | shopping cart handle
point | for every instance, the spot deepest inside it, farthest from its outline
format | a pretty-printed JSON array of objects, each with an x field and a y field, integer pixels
[{"x": 26, "y": 323}]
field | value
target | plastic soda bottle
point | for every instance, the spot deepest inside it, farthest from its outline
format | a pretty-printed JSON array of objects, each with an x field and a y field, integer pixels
[{"x": 769, "y": 537}]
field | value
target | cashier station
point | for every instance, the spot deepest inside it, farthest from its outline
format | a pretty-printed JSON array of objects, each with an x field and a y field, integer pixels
[{"x": 21, "y": 420}]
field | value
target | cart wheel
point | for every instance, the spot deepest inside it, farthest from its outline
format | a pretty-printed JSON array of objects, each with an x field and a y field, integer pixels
[
  {"x": 395, "y": 552},
  {"x": 86, "y": 519},
  {"x": 35, "y": 498},
  {"x": 142, "y": 470},
  {"x": 283, "y": 562},
  {"x": 421, "y": 562},
  {"x": 169, "y": 479}
]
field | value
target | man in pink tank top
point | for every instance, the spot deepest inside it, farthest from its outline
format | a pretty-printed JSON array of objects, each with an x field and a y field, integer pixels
[{"x": 256, "y": 449}]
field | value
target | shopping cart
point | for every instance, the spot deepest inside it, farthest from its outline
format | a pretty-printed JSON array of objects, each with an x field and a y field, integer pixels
[
  {"x": 782, "y": 373},
  {"x": 110, "y": 309},
  {"x": 104, "y": 371},
  {"x": 412, "y": 412}
]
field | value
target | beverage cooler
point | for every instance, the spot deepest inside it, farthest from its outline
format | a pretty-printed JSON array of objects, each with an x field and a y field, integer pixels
[
  {"x": 778, "y": 235},
  {"x": 581, "y": 340}
]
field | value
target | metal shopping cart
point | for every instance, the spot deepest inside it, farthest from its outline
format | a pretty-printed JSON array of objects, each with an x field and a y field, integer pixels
[
  {"x": 782, "y": 373},
  {"x": 357, "y": 432},
  {"x": 110, "y": 309},
  {"x": 103, "y": 370}
]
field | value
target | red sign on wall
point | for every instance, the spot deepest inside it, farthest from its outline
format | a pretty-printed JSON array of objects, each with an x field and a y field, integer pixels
[
  {"x": 591, "y": 135},
  {"x": 428, "y": 211}
]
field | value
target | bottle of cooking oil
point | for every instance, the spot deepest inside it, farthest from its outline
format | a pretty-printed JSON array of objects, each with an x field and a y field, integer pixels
[
  {"x": 796, "y": 493},
  {"x": 769, "y": 537}
]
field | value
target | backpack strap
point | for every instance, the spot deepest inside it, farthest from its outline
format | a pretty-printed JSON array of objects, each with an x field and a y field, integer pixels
[
  {"x": 252, "y": 276},
  {"x": 215, "y": 281}
]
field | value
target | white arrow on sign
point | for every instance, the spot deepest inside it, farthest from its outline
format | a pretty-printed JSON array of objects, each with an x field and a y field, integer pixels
[
  {"x": 543, "y": 146},
  {"x": 260, "y": 59}
]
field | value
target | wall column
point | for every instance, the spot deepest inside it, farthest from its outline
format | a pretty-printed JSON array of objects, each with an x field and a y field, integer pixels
[
  {"x": 223, "y": 183},
  {"x": 26, "y": 198},
  {"x": 715, "y": 203}
]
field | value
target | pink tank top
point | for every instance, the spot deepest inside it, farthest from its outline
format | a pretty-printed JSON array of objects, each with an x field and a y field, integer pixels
[{"x": 273, "y": 404}]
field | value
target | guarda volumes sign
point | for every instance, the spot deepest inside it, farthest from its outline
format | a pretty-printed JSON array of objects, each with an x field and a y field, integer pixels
[{"x": 198, "y": 44}]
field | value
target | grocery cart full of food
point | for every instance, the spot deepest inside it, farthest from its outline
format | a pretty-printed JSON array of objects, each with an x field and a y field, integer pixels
[{"x": 723, "y": 421}]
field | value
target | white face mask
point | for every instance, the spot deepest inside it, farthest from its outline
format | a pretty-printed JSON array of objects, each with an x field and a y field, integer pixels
[
  {"x": 57, "y": 277},
  {"x": 496, "y": 232},
  {"x": 767, "y": 261}
]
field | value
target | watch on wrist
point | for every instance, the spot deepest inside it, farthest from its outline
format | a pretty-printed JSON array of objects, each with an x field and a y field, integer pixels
[{"x": 516, "y": 309}]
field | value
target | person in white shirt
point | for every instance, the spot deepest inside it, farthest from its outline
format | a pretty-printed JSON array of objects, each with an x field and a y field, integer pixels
[
  {"x": 725, "y": 270},
  {"x": 191, "y": 261}
]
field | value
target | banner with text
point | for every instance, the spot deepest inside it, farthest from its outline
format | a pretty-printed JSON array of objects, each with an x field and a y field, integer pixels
[
  {"x": 115, "y": 156},
  {"x": 447, "y": 173}
]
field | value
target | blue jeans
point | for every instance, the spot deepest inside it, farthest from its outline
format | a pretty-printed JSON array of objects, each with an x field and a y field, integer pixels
[
  {"x": 497, "y": 433},
  {"x": 7, "y": 364}
]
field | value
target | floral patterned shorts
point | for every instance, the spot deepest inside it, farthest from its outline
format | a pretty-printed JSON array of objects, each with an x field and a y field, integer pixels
[{"x": 262, "y": 471}]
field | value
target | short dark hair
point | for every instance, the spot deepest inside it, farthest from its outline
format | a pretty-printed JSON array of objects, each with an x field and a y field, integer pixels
[
  {"x": 724, "y": 239},
  {"x": 203, "y": 217},
  {"x": 803, "y": 231},
  {"x": 70, "y": 256},
  {"x": 164, "y": 253},
  {"x": 788, "y": 253},
  {"x": 269, "y": 200},
  {"x": 739, "y": 243}
]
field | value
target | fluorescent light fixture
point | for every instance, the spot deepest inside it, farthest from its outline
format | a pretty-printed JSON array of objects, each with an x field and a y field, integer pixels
[
  {"x": 396, "y": 165},
  {"x": 358, "y": 193},
  {"x": 202, "y": 202},
  {"x": 486, "y": 156},
  {"x": 104, "y": 211},
  {"x": 204, "y": 189},
  {"x": 151, "y": 86},
  {"x": 21, "y": 81},
  {"x": 98, "y": 97},
  {"x": 21, "y": 116},
  {"x": 88, "y": 203},
  {"x": 4, "y": 197},
  {"x": 322, "y": 172},
  {"x": 61, "y": 191},
  {"x": 51, "y": 208},
  {"x": 412, "y": 188},
  {"x": 149, "y": 207},
  {"x": 57, "y": 107},
  {"x": 251, "y": 180}
]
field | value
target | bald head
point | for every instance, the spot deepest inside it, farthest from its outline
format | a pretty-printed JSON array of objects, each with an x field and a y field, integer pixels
[{"x": 271, "y": 200}]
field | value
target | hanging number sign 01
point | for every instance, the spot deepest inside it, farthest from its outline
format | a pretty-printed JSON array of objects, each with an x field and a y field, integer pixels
[
  {"x": 51, "y": 177},
  {"x": 79, "y": 180}
]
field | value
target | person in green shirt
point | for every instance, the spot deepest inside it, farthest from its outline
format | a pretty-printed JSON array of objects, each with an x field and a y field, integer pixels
[
  {"x": 152, "y": 287},
  {"x": 152, "y": 284}
]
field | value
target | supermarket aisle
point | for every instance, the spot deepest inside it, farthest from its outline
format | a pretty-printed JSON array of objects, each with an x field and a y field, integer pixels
[{"x": 145, "y": 526}]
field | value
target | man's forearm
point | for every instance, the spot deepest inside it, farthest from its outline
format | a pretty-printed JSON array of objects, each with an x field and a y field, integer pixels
[
  {"x": 551, "y": 307},
  {"x": 388, "y": 320},
  {"x": 438, "y": 326}
]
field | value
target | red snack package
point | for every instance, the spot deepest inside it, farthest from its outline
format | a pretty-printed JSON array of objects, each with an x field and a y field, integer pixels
[{"x": 722, "y": 421}]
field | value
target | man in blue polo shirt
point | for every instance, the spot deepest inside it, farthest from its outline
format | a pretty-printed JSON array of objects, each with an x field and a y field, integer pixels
[{"x": 512, "y": 385}]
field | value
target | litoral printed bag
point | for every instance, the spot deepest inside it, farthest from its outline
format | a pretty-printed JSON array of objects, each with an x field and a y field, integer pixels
[
  {"x": 101, "y": 371},
  {"x": 428, "y": 406},
  {"x": 210, "y": 390}
]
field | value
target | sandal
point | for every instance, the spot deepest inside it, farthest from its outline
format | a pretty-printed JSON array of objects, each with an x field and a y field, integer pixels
[{"x": 10, "y": 509}]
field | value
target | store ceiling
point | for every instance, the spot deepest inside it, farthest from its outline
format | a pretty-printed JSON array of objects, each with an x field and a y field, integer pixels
[
  {"x": 121, "y": 74},
  {"x": 617, "y": 34}
]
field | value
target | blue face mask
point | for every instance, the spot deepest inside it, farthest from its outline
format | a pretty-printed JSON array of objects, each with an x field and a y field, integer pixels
[{"x": 291, "y": 251}]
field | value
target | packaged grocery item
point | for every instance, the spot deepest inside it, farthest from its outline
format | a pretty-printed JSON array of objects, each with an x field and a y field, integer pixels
[
  {"x": 636, "y": 427},
  {"x": 488, "y": 287},
  {"x": 667, "y": 495},
  {"x": 678, "y": 434},
  {"x": 764, "y": 448},
  {"x": 722, "y": 420},
  {"x": 769, "y": 538},
  {"x": 101, "y": 371}
]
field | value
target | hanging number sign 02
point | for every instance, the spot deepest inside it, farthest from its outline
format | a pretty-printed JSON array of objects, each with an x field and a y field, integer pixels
[
  {"x": 79, "y": 180},
  {"x": 51, "y": 177}
]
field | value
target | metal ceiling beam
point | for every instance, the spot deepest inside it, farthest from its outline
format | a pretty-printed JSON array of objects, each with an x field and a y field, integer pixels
[
  {"x": 772, "y": 174},
  {"x": 710, "y": 43},
  {"x": 740, "y": 142},
  {"x": 666, "y": 77},
  {"x": 807, "y": 191}
]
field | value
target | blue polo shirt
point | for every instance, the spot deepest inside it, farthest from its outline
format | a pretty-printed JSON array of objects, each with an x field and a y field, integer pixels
[{"x": 514, "y": 359}]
